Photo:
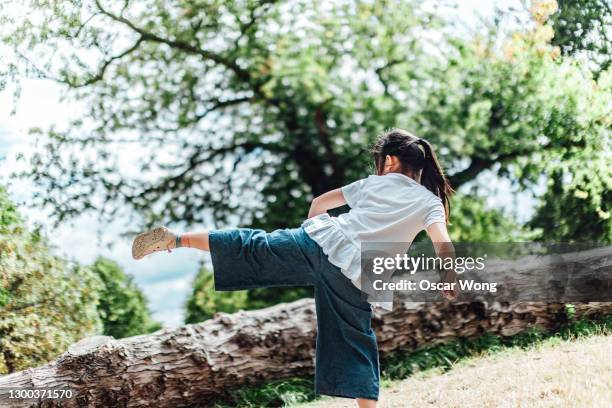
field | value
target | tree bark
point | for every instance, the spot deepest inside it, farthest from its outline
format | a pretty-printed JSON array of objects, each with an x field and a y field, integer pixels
[{"x": 195, "y": 364}]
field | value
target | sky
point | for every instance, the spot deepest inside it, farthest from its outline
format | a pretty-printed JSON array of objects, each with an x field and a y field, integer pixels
[{"x": 166, "y": 279}]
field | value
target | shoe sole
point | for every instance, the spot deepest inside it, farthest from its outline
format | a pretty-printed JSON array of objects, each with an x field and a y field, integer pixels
[{"x": 150, "y": 241}]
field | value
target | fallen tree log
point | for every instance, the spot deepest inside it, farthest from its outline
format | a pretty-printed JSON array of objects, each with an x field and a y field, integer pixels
[
  {"x": 195, "y": 364},
  {"x": 180, "y": 367}
]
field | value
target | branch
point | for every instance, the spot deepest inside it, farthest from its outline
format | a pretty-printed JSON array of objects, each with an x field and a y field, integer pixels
[
  {"x": 84, "y": 24},
  {"x": 197, "y": 159},
  {"x": 380, "y": 70},
  {"x": 100, "y": 74},
  {"x": 42, "y": 73},
  {"x": 479, "y": 164},
  {"x": 181, "y": 45},
  {"x": 197, "y": 118},
  {"x": 476, "y": 166},
  {"x": 221, "y": 104},
  {"x": 244, "y": 28}
]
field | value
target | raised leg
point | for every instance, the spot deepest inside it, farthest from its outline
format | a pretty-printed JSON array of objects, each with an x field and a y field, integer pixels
[
  {"x": 164, "y": 239},
  {"x": 197, "y": 240}
]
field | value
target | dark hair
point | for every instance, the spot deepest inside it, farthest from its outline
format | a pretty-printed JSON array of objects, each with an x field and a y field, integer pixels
[{"x": 414, "y": 154}]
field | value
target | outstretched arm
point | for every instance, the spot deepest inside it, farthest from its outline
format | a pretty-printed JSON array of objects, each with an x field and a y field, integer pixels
[
  {"x": 327, "y": 201},
  {"x": 444, "y": 249}
]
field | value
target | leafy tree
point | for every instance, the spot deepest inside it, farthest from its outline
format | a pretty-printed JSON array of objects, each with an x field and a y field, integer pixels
[
  {"x": 264, "y": 104},
  {"x": 528, "y": 115},
  {"x": 122, "y": 306},
  {"x": 46, "y": 303},
  {"x": 585, "y": 27}
]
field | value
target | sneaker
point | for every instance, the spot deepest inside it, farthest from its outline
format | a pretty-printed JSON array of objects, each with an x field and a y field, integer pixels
[{"x": 157, "y": 239}]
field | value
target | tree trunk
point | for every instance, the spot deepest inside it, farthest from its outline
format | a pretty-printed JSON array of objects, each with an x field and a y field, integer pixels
[{"x": 194, "y": 364}]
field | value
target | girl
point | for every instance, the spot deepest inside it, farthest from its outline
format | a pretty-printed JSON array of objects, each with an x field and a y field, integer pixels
[{"x": 408, "y": 194}]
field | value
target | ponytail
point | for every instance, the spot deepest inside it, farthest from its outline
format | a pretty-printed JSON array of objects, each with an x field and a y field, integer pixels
[
  {"x": 415, "y": 154},
  {"x": 433, "y": 178}
]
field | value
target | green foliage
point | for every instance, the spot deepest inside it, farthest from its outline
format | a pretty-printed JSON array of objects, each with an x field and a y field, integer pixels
[
  {"x": 585, "y": 26},
  {"x": 46, "y": 303},
  {"x": 527, "y": 115},
  {"x": 122, "y": 306},
  {"x": 473, "y": 221},
  {"x": 10, "y": 221},
  {"x": 204, "y": 301},
  {"x": 281, "y": 393},
  {"x": 570, "y": 311},
  {"x": 587, "y": 195},
  {"x": 580, "y": 183},
  {"x": 264, "y": 297}
]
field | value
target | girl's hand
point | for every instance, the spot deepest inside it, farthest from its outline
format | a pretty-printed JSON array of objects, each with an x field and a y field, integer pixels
[
  {"x": 451, "y": 278},
  {"x": 444, "y": 249}
]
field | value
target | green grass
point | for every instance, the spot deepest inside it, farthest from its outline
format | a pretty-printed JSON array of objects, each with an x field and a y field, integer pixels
[
  {"x": 282, "y": 393},
  {"x": 402, "y": 364}
]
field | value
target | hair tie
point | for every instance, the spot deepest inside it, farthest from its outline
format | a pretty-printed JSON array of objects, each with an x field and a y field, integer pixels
[{"x": 420, "y": 141}]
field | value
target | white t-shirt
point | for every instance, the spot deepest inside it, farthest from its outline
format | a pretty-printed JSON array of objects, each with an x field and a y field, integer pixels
[{"x": 388, "y": 208}]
